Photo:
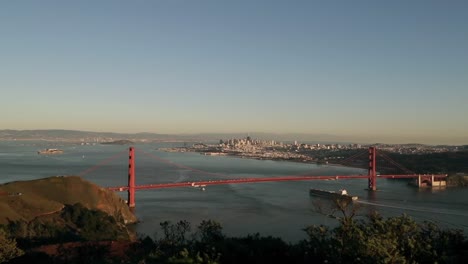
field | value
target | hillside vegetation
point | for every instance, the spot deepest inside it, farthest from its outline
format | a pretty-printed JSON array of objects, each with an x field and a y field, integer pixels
[
  {"x": 445, "y": 162},
  {"x": 27, "y": 200}
]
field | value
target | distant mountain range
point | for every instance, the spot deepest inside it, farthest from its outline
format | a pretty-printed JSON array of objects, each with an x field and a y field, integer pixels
[
  {"x": 76, "y": 135},
  {"x": 59, "y": 134}
]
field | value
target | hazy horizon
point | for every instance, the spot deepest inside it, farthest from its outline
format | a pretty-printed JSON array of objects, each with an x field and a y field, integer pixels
[
  {"x": 370, "y": 71},
  {"x": 310, "y": 137}
]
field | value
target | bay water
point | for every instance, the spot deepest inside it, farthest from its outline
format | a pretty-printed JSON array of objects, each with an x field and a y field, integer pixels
[{"x": 273, "y": 208}]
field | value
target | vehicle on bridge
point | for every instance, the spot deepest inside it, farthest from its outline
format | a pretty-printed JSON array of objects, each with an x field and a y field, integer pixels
[{"x": 201, "y": 186}]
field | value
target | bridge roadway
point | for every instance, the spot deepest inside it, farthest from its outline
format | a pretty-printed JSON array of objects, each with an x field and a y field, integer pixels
[{"x": 268, "y": 179}]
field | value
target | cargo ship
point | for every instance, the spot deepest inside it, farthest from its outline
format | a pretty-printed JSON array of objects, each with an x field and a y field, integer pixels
[
  {"x": 330, "y": 194},
  {"x": 50, "y": 151}
]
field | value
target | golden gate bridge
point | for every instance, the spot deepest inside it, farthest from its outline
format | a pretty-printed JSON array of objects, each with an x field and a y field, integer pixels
[{"x": 371, "y": 176}]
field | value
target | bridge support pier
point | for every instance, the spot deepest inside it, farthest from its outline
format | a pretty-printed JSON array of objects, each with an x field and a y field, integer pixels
[
  {"x": 131, "y": 177},
  {"x": 431, "y": 181},
  {"x": 371, "y": 173}
]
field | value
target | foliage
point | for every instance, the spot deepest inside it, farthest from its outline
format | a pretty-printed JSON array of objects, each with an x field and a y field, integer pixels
[
  {"x": 374, "y": 239},
  {"x": 430, "y": 163},
  {"x": 93, "y": 225},
  {"x": 391, "y": 240},
  {"x": 457, "y": 180},
  {"x": 74, "y": 223},
  {"x": 371, "y": 240},
  {"x": 8, "y": 248},
  {"x": 176, "y": 247},
  {"x": 175, "y": 234},
  {"x": 210, "y": 231},
  {"x": 445, "y": 162},
  {"x": 255, "y": 249},
  {"x": 86, "y": 253}
]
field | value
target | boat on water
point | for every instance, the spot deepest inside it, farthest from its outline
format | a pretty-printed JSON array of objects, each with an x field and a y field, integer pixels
[
  {"x": 330, "y": 194},
  {"x": 50, "y": 151}
]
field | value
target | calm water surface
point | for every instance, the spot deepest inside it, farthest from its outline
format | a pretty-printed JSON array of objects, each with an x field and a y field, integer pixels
[{"x": 279, "y": 209}]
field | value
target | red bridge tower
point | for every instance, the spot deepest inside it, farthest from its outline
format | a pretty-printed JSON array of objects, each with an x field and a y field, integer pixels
[
  {"x": 131, "y": 177},
  {"x": 371, "y": 173}
]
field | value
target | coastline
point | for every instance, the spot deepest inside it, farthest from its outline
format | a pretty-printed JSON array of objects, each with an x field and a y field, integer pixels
[{"x": 292, "y": 157}]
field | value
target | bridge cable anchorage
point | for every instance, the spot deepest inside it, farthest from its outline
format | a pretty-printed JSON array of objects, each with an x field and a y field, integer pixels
[
  {"x": 386, "y": 157},
  {"x": 102, "y": 163}
]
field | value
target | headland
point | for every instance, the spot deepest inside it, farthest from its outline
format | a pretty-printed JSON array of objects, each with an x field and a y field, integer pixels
[{"x": 28, "y": 200}]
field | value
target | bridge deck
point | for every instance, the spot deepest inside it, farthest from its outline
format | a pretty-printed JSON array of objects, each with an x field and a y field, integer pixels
[{"x": 268, "y": 179}]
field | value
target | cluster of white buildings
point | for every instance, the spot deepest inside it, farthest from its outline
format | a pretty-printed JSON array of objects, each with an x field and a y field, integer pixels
[{"x": 248, "y": 143}]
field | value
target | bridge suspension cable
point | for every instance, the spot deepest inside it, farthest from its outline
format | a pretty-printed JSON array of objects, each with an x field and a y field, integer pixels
[
  {"x": 102, "y": 163},
  {"x": 360, "y": 153},
  {"x": 166, "y": 161},
  {"x": 131, "y": 188},
  {"x": 386, "y": 157},
  {"x": 179, "y": 165}
]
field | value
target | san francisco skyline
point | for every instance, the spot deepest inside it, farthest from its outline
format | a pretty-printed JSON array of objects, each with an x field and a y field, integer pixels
[{"x": 387, "y": 71}]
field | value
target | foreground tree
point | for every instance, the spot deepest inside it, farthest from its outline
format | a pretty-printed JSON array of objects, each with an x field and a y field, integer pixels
[
  {"x": 386, "y": 240},
  {"x": 8, "y": 248}
]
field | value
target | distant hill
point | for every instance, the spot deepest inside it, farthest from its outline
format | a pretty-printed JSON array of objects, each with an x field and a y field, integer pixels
[
  {"x": 310, "y": 138},
  {"x": 118, "y": 142},
  {"x": 60, "y": 135},
  {"x": 27, "y": 200}
]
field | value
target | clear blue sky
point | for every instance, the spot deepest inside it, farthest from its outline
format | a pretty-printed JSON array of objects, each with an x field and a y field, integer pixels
[{"x": 386, "y": 70}]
